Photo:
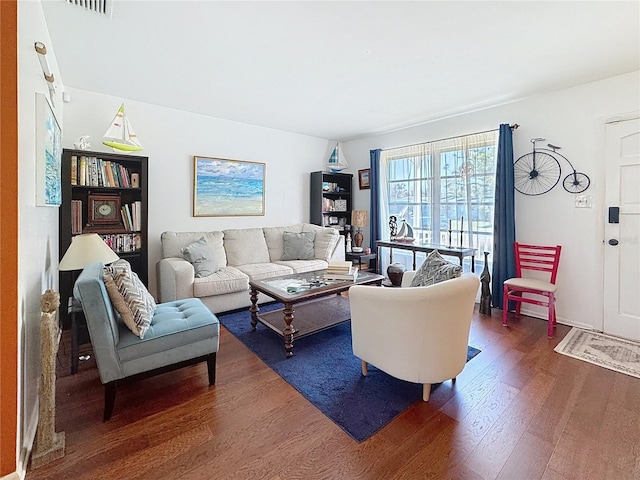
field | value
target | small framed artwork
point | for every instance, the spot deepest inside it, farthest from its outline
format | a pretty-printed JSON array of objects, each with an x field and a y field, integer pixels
[
  {"x": 104, "y": 210},
  {"x": 225, "y": 188},
  {"x": 363, "y": 178},
  {"x": 48, "y": 155}
]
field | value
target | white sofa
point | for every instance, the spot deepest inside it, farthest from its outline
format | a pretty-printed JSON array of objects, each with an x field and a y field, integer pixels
[{"x": 243, "y": 254}]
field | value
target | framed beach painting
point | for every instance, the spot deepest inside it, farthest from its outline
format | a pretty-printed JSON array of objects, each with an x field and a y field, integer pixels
[
  {"x": 48, "y": 155},
  {"x": 224, "y": 188}
]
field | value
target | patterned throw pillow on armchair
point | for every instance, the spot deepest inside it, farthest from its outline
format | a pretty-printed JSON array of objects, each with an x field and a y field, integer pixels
[{"x": 435, "y": 269}]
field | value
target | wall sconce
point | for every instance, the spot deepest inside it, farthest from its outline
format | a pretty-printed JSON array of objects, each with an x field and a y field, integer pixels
[{"x": 41, "y": 50}]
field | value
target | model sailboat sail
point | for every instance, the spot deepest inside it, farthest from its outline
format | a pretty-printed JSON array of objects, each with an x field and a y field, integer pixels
[
  {"x": 406, "y": 230},
  {"x": 120, "y": 134},
  {"x": 337, "y": 161}
]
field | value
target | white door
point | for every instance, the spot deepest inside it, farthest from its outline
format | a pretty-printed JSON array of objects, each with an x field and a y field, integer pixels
[{"x": 622, "y": 239}]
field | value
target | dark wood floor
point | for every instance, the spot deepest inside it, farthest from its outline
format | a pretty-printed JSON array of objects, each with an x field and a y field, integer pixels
[{"x": 517, "y": 411}]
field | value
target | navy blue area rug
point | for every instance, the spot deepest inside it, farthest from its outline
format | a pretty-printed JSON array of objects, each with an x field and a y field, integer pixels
[{"x": 325, "y": 371}]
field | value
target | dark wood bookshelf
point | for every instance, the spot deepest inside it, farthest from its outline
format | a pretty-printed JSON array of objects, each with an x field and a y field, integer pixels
[
  {"x": 329, "y": 191},
  {"x": 135, "y": 238}
]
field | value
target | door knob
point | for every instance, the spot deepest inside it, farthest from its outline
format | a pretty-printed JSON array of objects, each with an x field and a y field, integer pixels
[{"x": 613, "y": 242}]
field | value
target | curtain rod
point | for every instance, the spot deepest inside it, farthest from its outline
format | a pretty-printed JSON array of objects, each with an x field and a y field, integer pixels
[{"x": 512, "y": 127}]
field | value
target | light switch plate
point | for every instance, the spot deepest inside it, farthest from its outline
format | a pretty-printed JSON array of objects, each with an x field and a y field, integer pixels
[{"x": 583, "y": 201}]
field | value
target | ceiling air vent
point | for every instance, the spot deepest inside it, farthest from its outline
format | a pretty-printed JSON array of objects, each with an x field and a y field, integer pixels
[{"x": 103, "y": 7}]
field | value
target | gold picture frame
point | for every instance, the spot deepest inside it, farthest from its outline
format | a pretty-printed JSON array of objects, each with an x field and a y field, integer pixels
[{"x": 225, "y": 188}]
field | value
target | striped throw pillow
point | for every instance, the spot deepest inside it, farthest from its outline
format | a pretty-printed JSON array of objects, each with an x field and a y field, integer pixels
[{"x": 129, "y": 296}]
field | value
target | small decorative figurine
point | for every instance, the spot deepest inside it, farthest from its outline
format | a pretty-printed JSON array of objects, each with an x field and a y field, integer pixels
[
  {"x": 485, "y": 280},
  {"x": 348, "y": 242},
  {"x": 82, "y": 143},
  {"x": 393, "y": 227}
]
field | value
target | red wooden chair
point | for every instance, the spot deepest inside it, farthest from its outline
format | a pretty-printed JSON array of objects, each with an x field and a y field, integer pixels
[{"x": 539, "y": 258}]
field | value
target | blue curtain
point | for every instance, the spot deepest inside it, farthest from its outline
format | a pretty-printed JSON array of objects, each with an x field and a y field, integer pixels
[
  {"x": 504, "y": 223},
  {"x": 375, "y": 233}
]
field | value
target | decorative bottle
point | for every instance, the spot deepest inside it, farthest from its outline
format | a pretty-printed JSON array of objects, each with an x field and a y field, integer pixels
[
  {"x": 348, "y": 242},
  {"x": 485, "y": 281}
]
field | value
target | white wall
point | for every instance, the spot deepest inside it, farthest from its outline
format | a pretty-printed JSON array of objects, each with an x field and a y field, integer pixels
[
  {"x": 171, "y": 138},
  {"x": 574, "y": 119},
  {"x": 38, "y": 226}
]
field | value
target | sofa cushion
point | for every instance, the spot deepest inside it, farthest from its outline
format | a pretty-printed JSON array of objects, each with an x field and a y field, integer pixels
[
  {"x": 244, "y": 246},
  {"x": 274, "y": 237},
  {"x": 173, "y": 243},
  {"x": 260, "y": 271},
  {"x": 325, "y": 241},
  {"x": 129, "y": 296},
  {"x": 301, "y": 266},
  {"x": 435, "y": 269},
  {"x": 225, "y": 280},
  {"x": 199, "y": 255},
  {"x": 298, "y": 246}
]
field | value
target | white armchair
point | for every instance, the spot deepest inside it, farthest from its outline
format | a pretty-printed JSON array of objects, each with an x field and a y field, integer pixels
[{"x": 417, "y": 334}]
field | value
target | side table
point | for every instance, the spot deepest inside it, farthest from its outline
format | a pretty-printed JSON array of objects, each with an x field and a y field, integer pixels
[
  {"x": 74, "y": 309},
  {"x": 362, "y": 259}
]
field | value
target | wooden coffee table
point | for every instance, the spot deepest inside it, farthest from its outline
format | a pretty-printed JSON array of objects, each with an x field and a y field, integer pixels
[{"x": 309, "y": 286}]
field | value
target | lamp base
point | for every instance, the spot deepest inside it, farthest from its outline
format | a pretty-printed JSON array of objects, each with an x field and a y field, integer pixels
[
  {"x": 357, "y": 240},
  {"x": 357, "y": 249}
]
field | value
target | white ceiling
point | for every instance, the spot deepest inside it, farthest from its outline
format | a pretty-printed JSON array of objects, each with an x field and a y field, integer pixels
[{"x": 341, "y": 70}]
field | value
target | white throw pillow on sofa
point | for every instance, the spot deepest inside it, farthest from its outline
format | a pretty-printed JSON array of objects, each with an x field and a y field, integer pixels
[{"x": 325, "y": 243}]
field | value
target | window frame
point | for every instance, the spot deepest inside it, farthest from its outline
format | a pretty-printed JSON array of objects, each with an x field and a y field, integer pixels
[{"x": 425, "y": 197}]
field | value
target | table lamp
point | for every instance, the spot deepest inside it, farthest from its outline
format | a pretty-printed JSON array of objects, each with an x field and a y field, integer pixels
[
  {"x": 85, "y": 249},
  {"x": 358, "y": 220}
]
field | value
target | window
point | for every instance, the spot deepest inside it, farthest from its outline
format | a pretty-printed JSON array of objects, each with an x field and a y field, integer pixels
[{"x": 443, "y": 188}]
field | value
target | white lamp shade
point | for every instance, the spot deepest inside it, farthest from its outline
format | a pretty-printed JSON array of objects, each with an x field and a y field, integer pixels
[
  {"x": 359, "y": 218},
  {"x": 85, "y": 249}
]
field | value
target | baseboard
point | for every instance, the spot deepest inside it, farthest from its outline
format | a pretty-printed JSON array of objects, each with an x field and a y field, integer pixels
[
  {"x": 12, "y": 476},
  {"x": 560, "y": 320},
  {"x": 28, "y": 440}
]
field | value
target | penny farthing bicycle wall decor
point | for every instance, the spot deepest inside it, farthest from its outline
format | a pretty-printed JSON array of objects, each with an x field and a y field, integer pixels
[{"x": 538, "y": 171}]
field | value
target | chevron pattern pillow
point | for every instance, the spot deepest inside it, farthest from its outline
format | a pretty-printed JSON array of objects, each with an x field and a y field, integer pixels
[
  {"x": 129, "y": 296},
  {"x": 435, "y": 269}
]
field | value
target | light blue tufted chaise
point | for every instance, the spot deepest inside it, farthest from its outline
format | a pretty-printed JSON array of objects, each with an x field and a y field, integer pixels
[{"x": 182, "y": 332}]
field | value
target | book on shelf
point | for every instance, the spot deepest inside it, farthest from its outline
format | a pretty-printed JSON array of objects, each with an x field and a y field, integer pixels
[
  {"x": 351, "y": 275},
  {"x": 76, "y": 217},
  {"x": 123, "y": 242},
  {"x": 94, "y": 172},
  {"x": 125, "y": 217},
  {"x": 74, "y": 170},
  {"x": 82, "y": 169}
]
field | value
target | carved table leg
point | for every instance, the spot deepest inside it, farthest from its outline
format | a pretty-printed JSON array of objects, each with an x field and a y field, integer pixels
[
  {"x": 254, "y": 309},
  {"x": 288, "y": 330}
]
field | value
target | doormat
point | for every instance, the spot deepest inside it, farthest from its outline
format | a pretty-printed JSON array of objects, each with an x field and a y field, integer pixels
[{"x": 606, "y": 351}]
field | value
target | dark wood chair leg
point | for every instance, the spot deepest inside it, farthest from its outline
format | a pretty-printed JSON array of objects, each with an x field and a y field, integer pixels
[
  {"x": 211, "y": 368},
  {"x": 109, "y": 399}
]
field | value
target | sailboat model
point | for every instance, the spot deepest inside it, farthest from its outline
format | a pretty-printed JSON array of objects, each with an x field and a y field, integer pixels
[
  {"x": 337, "y": 161},
  {"x": 405, "y": 233},
  {"x": 120, "y": 134}
]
